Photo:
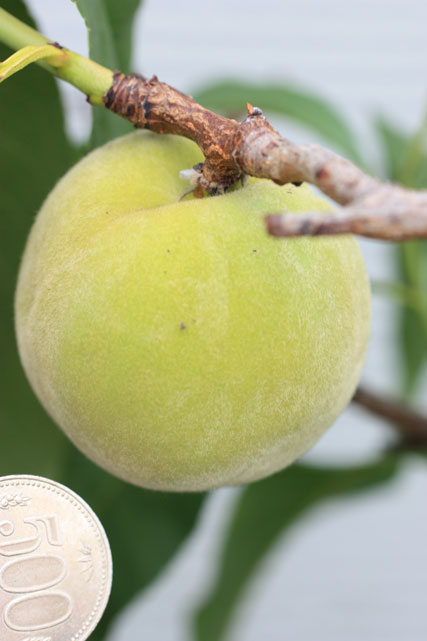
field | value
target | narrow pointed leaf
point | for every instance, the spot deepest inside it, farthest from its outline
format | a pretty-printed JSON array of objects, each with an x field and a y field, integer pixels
[
  {"x": 405, "y": 162},
  {"x": 145, "y": 528},
  {"x": 34, "y": 153},
  {"x": 109, "y": 24},
  {"x": 264, "y": 512}
]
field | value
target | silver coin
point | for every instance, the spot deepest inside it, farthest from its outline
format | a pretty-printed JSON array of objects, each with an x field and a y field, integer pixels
[{"x": 55, "y": 562}]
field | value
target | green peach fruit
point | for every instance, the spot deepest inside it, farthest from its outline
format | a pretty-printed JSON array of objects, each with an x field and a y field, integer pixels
[{"x": 177, "y": 344}]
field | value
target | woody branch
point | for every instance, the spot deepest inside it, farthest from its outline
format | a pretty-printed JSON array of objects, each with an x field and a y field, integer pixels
[
  {"x": 410, "y": 423},
  {"x": 252, "y": 147},
  {"x": 232, "y": 149}
]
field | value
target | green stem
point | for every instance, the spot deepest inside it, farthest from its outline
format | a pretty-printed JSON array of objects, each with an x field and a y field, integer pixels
[{"x": 85, "y": 74}]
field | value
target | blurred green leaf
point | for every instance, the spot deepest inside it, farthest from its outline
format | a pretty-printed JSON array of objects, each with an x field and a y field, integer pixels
[
  {"x": 121, "y": 15},
  {"x": 34, "y": 153},
  {"x": 145, "y": 528},
  {"x": 405, "y": 159},
  {"x": 400, "y": 293},
  {"x": 265, "y": 511},
  {"x": 412, "y": 261},
  {"x": 231, "y": 96},
  {"x": 412, "y": 319},
  {"x": 393, "y": 143},
  {"x": 109, "y": 24}
]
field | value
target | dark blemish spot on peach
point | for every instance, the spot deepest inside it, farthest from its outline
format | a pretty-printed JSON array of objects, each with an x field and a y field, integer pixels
[{"x": 182, "y": 326}]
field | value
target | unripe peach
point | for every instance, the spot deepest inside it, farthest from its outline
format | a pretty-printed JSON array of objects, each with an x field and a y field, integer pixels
[{"x": 176, "y": 343}]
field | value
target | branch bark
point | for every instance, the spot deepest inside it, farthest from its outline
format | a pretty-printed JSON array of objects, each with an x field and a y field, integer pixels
[
  {"x": 232, "y": 149},
  {"x": 387, "y": 212},
  {"x": 410, "y": 423}
]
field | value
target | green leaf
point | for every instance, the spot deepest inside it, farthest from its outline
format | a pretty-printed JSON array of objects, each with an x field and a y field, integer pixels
[
  {"x": 405, "y": 159},
  {"x": 34, "y": 153},
  {"x": 145, "y": 528},
  {"x": 109, "y": 24},
  {"x": 393, "y": 143},
  {"x": 122, "y": 15},
  {"x": 412, "y": 261},
  {"x": 400, "y": 293},
  {"x": 266, "y": 510},
  {"x": 231, "y": 96}
]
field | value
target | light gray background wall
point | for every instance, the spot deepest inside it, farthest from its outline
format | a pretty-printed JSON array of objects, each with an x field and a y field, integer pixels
[{"x": 354, "y": 570}]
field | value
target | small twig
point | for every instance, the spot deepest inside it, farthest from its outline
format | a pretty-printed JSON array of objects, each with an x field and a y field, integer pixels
[
  {"x": 411, "y": 423},
  {"x": 388, "y": 212}
]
